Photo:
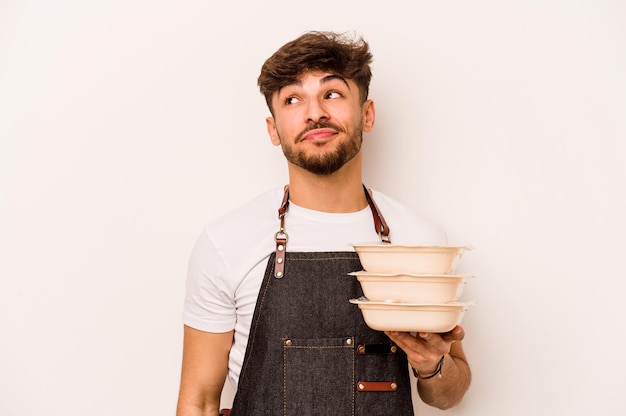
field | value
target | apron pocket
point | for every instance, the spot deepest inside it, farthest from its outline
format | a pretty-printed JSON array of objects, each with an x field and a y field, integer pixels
[{"x": 318, "y": 376}]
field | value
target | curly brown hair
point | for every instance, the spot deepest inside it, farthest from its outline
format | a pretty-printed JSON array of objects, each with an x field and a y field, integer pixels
[{"x": 317, "y": 51}]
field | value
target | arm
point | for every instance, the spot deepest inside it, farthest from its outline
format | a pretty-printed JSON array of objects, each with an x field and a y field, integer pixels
[
  {"x": 424, "y": 351},
  {"x": 204, "y": 370}
]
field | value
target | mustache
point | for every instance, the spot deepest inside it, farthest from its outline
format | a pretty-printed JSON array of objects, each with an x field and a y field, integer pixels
[{"x": 316, "y": 126}]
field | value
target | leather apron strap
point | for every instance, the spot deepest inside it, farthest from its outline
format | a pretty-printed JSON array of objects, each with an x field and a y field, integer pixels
[{"x": 281, "y": 236}]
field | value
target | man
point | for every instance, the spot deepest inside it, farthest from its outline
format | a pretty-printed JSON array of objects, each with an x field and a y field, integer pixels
[{"x": 268, "y": 288}]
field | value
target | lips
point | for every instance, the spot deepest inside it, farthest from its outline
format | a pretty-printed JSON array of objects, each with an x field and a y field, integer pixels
[{"x": 318, "y": 134}]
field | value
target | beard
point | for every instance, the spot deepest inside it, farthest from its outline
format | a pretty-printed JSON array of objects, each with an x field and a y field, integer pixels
[{"x": 329, "y": 162}]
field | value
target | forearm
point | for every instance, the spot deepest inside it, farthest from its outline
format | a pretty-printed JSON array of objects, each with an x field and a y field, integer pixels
[
  {"x": 193, "y": 402},
  {"x": 204, "y": 370},
  {"x": 446, "y": 391},
  {"x": 193, "y": 410}
]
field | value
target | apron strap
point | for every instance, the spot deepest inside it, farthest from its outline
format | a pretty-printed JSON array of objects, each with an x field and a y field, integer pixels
[
  {"x": 379, "y": 221},
  {"x": 281, "y": 237}
]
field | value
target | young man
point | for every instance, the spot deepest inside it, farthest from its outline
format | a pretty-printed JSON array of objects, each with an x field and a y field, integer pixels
[{"x": 268, "y": 288}]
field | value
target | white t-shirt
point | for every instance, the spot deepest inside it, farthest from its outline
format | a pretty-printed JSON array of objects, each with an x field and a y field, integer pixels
[{"x": 229, "y": 259}]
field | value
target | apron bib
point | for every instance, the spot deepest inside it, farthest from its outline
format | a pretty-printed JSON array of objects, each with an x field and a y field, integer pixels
[{"x": 309, "y": 350}]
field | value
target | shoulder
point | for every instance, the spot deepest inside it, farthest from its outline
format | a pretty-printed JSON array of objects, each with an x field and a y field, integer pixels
[
  {"x": 226, "y": 264},
  {"x": 408, "y": 226},
  {"x": 250, "y": 223},
  {"x": 232, "y": 244}
]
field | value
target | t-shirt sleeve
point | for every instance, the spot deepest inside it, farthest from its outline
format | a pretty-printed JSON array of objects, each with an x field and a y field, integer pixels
[{"x": 209, "y": 299}]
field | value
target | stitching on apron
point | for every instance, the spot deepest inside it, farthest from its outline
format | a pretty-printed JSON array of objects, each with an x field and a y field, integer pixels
[
  {"x": 253, "y": 330},
  {"x": 353, "y": 360},
  {"x": 318, "y": 348},
  {"x": 323, "y": 259},
  {"x": 353, "y": 381},
  {"x": 284, "y": 382}
]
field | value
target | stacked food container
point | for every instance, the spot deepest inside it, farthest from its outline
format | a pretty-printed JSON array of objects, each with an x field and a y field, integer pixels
[{"x": 411, "y": 288}]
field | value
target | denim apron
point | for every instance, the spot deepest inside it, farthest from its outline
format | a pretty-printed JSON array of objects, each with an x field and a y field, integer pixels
[{"x": 309, "y": 350}]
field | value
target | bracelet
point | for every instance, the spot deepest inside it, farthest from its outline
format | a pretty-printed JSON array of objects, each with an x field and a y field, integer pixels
[{"x": 438, "y": 371}]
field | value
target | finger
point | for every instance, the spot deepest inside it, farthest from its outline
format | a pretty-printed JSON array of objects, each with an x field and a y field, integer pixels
[
  {"x": 457, "y": 334},
  {"x": 411, "y": 344},
  {"x": 402, "y": 339},
  {"x": 417, "y": 349},
  {"x": 435, "y": 344}
]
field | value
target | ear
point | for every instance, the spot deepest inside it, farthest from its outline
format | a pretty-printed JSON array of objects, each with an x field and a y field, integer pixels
[
  {"x": 271, "y": 130},
  {"x": 369, "y": 115}
]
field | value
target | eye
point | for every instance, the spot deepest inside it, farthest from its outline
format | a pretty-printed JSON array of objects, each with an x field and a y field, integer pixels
[
  {"x": 333, "y": 95},
  {"x": 291, "y": 100}
]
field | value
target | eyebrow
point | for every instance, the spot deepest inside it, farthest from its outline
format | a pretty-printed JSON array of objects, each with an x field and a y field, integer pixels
[
  {"x": 329, "y": 78},
  {"x": 325, "y": 80}
]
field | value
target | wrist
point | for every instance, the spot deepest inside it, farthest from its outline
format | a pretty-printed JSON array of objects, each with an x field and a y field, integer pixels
[{"x": 425, "y": 375}]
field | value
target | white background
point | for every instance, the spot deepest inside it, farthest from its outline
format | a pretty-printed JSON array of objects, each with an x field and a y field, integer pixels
[{"x": 127, "y": 125}]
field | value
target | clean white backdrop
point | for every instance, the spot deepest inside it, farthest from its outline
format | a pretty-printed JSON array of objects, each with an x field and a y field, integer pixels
[{"x": 126, "y": 125}]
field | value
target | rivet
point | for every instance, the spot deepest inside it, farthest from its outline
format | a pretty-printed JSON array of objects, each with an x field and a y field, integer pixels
[
  {"x": 349, "y": 341},
  {"x": 281, "y": 247},
  {"x": 393, "y": 349},
  {"x": 279, "y": 260},
  {"x": 279, "y": 274},
  {"x": 361, "y": 349},
  {"x": 394, "y": 386},
  {"x": 288, "y": 342},
  {"x": 361, "y": 386}
]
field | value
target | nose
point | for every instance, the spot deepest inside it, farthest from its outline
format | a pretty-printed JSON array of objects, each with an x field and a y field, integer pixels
[{"x": 316, "y": 111}]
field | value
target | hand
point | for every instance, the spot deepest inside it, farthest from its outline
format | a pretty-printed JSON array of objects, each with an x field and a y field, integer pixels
[{"x": 424, "y": 349}]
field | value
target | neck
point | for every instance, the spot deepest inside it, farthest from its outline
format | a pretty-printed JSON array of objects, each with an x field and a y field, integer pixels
[{"x": 339, "y": 192}]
